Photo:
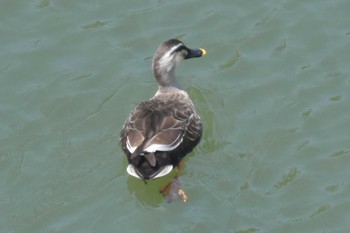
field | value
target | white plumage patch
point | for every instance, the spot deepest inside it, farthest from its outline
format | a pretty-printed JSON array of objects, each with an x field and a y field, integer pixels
[
  {"x": 162, "y": 147},
  {"x": 132, "y": 171},
  {"x": 130, "y": 148},
  {"x": 165, "y": 171}
]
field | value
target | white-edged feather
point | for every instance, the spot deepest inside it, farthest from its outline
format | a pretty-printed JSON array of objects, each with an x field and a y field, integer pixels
[
  {"x": 165, "y": 171},
  {"x": 162, "y": 147},
  {"x": 130, "y": 148},
  {"x": 132, "y": 171}
]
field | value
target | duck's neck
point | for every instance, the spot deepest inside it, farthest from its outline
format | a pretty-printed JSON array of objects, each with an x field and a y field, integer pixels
[
  {"x": 171, "y": 89},
  {"x": 166, "y": 78}
]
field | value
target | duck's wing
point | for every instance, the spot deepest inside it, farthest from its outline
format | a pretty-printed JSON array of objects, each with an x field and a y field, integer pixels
[
  {"x": 134, "y": 129},
  {"x": 167, "y": 132}
]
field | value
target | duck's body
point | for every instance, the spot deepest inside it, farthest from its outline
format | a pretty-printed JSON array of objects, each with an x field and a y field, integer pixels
[{"x": 161, "y": 131}]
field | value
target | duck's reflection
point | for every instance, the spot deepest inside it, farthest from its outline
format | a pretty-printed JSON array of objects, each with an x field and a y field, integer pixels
[{"x": 155, "y": 192}]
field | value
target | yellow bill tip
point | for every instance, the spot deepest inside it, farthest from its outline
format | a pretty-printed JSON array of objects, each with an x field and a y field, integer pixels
[{"x": 203, "y": 52}]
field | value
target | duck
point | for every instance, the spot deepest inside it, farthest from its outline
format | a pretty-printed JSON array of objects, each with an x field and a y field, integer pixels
[{"x": 161, "y": 131}]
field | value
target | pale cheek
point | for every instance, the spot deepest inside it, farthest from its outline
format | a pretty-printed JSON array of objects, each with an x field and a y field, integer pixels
[{"x": 178, "y": 59}]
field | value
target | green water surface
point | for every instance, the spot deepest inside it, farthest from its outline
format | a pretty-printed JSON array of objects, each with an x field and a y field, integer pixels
[{"x": 273, "y": 93}]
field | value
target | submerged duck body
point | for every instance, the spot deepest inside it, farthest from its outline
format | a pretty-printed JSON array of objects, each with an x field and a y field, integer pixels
[{"x": 161, "y": 131}]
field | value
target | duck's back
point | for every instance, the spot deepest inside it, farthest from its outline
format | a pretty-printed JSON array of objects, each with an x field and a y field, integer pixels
[{"x": 160, "y": 132}]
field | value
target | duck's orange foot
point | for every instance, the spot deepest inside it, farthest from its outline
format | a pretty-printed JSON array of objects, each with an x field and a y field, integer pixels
[
  {"x": 183, "y": 195},
  {"x": 173, "y": 191}
]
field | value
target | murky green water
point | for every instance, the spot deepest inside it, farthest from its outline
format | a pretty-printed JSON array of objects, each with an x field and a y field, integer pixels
[{"x": 273, "y": 93}]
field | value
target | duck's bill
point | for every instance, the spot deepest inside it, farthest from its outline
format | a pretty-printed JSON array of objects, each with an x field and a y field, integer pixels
[{"x": 191, "y": 53}]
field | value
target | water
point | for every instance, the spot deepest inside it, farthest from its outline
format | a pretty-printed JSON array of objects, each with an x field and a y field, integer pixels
[{"x": 273, "y": 94}]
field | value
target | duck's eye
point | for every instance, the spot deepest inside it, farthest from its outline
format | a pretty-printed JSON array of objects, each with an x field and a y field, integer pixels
[{"x": 179, "y": 49}]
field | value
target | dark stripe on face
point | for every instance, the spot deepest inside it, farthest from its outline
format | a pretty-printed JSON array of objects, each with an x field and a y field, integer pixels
[{"x": 179, "y": 48}]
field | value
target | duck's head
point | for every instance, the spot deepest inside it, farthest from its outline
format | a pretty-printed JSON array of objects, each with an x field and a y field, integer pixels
[{"x": 168, "y": 56}]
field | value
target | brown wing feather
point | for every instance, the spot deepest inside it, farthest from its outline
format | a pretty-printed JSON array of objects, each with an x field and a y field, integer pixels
[{"x": 154, "y": 122}]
